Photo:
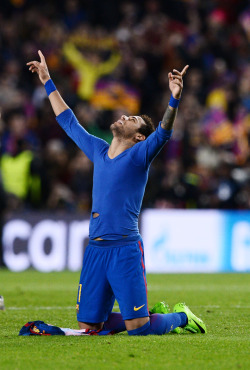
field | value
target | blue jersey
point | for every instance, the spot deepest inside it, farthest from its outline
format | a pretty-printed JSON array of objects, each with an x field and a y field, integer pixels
[{"x": 119, "y": 183}]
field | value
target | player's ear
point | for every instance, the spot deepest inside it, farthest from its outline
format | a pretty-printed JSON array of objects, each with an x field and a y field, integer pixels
[{"x": 139, "y": 137}]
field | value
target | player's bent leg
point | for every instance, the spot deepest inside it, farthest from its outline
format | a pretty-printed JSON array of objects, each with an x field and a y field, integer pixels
[
  {"x": 127, "y": 278},
  {"x": 159, "y": 324},
  {"x": 91, "y": 326},
  {"x": 95, "y": 298}
]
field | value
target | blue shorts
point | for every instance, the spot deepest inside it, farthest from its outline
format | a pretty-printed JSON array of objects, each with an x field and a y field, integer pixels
[{"x": 109, "y": 273}]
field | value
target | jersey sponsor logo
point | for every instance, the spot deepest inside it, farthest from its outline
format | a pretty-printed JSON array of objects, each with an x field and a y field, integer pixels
[{"x": 138, "y": 308}]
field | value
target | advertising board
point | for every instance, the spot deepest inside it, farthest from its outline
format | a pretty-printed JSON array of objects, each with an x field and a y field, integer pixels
[{"x": 175, "y": 241}]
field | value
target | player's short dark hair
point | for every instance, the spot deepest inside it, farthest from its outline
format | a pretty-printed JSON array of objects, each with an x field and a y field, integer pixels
[{"x": 147, "y": 129}]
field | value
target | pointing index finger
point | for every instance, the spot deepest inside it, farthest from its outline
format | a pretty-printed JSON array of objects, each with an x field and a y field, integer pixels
[
  {"x": 183, "y": 72},
  {"x": 41, "y": 56}
]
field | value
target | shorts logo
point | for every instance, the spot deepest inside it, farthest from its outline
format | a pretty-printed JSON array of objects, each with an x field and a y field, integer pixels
[{"x": 138, "y": 308}]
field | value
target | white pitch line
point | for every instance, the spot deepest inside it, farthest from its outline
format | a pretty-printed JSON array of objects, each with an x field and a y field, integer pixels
[
  {"x": 41, "y": 308},
  {"x": 45, "y": 308},
  {"x": 215, "y": 306},
  {"x": 115, "y": 307}
]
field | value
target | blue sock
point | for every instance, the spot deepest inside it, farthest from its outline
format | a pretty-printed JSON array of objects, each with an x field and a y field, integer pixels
[{"x": 160, "y": 324}]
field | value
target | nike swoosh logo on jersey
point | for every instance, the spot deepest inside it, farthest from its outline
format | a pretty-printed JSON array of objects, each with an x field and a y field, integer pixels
[{"x": 138, "y": 308}]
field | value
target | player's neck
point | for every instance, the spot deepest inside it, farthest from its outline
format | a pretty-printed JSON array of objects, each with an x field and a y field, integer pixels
[{"x": 118, "y": 146}]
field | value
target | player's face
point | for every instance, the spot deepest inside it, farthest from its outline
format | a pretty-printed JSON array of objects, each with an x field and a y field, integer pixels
[{"x": 127, "y": 126}]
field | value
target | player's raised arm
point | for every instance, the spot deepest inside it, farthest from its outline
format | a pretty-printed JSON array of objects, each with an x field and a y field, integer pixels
[
  {"x": 176, "y": 86},
  {"x": 64, "y": 115},
  {"x": 149, "y": 148},
  {"x": 57, "y": 102}
]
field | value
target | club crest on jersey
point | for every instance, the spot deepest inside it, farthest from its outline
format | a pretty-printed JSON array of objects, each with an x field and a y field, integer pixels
[{"x": 35, "y": 329}]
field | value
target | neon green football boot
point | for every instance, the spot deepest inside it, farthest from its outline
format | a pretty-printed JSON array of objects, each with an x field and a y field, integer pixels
[
  {"x": 194, "y": 325},
  {"x": 162, "y": 307}
]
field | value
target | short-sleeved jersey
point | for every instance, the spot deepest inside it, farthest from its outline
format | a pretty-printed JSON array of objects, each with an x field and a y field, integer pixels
[{"x": 118, "y": 183}]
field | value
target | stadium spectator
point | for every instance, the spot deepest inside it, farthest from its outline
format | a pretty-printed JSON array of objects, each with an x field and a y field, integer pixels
[
  {"x": 3, "y": 205},
  {"x": 19, "y": 165}
]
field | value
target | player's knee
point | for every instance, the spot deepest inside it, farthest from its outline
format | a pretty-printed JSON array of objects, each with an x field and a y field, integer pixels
[
  {"x": 91, "y": 326},
  {"x": 136, "y": 323}
]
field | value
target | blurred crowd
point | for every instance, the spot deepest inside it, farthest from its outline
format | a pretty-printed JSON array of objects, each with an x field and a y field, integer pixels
[{"x": 112, "y": 57}]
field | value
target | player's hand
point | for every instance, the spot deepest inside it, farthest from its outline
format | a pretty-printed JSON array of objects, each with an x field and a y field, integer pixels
[
  {"x": 40, "y": 68},
  {"x": 176, "y": 82}
]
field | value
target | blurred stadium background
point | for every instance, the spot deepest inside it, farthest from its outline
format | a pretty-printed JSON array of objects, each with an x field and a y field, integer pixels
[{"x": 111, "y": 57}]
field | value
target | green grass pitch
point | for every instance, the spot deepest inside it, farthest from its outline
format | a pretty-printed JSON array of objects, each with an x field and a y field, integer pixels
[{"x": 221, "y": 300}]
